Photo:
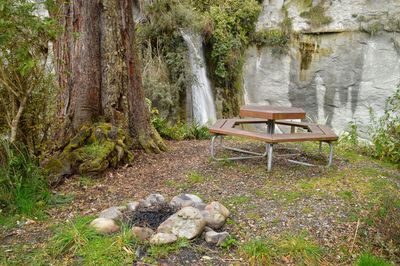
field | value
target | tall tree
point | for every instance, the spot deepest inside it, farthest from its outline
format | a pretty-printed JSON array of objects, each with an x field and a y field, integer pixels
[
  {"x": 98, "y": 65},
  {"x": 139, "y": 116}
]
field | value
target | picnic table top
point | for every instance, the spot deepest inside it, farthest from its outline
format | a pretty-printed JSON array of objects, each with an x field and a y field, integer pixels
[{"x": 272, "y": 112}]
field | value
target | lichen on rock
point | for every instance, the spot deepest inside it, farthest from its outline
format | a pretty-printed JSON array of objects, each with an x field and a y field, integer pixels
[{"x": 92, "y": 150}]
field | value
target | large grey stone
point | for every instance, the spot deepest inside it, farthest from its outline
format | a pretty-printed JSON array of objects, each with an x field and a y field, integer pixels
[
  {"x": 185, "y": 200},
  {"x": 214, "y": 219},
  {"x": 133, "y": 206},
  {"x": 111, "y": 213},
  {"x": 142, "y": 233},
  {"x": 216, "y": 206},
  {"x": 156, "y": 201},
  {"x": 104, "y": 225},
  {"x": 215, "y": 214},
  {"x": 187, "y": 223},
  {"x": 215, "y": 238},
  {"x": 163, "y": 238}
]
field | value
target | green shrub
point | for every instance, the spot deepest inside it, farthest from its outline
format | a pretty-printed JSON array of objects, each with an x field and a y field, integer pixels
[
  {"x": 23, "y": 189},
  {"x": 27, "y": 85},
  {"x": 180, "y": 131},
  {"x": 385, "y": 131},
  {"x": 234, "y": 22},
  {"x": 349, "y": 139}
]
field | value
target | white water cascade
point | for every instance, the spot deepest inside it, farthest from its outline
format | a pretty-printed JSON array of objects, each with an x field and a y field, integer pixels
[{"x": 202, "y": 98}]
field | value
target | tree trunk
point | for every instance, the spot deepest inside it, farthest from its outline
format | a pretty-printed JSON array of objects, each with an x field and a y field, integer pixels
[
  {"x": 114, "y": 74},
  {"x": 15, "y": 121},
  {"x": 97, "y": 65},
  {"x": 78, "y": 64},
  {"x": 140, "y": 126}
]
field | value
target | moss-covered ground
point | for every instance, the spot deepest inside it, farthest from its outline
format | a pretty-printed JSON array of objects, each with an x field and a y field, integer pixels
[{"x": 294, "y": 215}]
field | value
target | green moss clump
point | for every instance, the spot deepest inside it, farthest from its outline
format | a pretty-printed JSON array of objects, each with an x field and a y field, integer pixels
[
  {"x": 276, "y": 38},
  {"x": 316, "y": 16},
  {"x": 92, "y": 150}
]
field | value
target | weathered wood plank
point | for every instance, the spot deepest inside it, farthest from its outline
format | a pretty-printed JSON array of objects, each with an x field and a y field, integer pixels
[{"x": 272, "y": 112}]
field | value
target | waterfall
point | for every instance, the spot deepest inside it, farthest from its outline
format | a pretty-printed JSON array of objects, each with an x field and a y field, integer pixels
[{"x": 202, "y": 98}]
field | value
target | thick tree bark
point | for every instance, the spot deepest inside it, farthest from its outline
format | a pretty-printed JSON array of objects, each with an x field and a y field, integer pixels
[
  {"x": 97, "y": 65},
  {"x": 78, "y": 64},
  {"x": 86, "y": 63},
  {"x": 140, "y": 127},
  {"x": 114, "y": 74}
]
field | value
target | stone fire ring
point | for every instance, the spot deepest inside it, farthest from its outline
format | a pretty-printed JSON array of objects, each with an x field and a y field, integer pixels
[{"x": 155, "y": 220}]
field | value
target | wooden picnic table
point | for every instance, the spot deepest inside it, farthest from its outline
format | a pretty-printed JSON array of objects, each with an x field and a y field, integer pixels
[{"x": 272, "y": 113}]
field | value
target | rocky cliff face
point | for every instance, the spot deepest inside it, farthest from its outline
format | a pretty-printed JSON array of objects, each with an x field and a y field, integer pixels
[{"x": 336, "y": 69}]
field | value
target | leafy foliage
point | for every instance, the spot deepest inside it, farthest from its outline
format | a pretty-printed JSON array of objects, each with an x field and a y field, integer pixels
[
  {"x": 166, "y": 72},
  {"x": 26, "y": 85},
  {"x": 233, "y": 22},
  {"x": 23, "y": 189},
  {"x": 180, "y": 131},
  {"x": 385, "y": 131}
]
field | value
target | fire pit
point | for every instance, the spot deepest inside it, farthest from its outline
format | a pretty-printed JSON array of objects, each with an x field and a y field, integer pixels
[
  {"x": 155, "y": 220},
  {"x": 150, "y": 218}
]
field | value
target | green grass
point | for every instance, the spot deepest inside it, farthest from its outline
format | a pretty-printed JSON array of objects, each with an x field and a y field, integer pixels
[
  {"x": 296, "y": 248},
  {"x": 239, "y": 200},
  {"x": 257, "y": 252},
  {"x": 195, "y": 177},
  {"x": 368, "y": 259},
  {"x": 23, "y": 188},
  {"x": 110, "y": 250},
  {"x": 229, "y": 243},
  {"x": 156, "y": 252},
  {"x": 345, "y": 195},
  {"x": 86, "y": 181},
  {"x": 72, "y": 236},
  {"x": 176, "y": 184},
  {"x": 299, "y": 248},
  {"x": 60, "y": 199}
]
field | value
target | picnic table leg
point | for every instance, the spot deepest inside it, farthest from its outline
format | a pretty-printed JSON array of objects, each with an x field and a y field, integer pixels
[
  {"x": 271, "y": 130},
  {"x": 270, "y": 149},
  {"x": 330, "y": 159}
]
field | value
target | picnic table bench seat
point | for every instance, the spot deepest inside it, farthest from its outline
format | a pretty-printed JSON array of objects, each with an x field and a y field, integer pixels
[
  {"x": 230, "y": 127},
  {"x": 315, "y": 132}
]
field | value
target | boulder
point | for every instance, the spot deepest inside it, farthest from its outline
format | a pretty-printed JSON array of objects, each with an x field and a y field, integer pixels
[
  {"x": 155, "y": 201},
  {"x": 215, "y": 214},
  {"x": 133, "y": 206},
  {"x": 163, "y": 238},
  {"x": 142, "y": 233},
  {"x": 215, "y": 238},
  {"x": 215, "y": 205},
  {"x": 111, "y": 213},
  {"x": 187, "y": 223},
  {"x": 104, "y": 225},
  {"x": 185, "y": 200},
  {"x": 214, "y": 219}
]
